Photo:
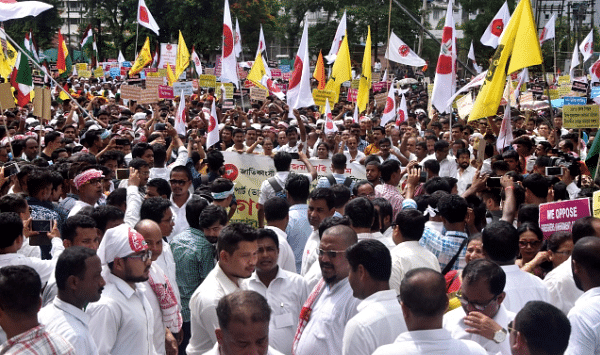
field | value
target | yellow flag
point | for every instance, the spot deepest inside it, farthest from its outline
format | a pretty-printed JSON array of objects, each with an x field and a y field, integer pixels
[
  {"x": 342, "y": 69},
  {"x": 5, "y": 67},
  {"x": 171, "y": 78},
  {"x": 257, "y": 72},
  {"x": 520, "y": 43},
  {"x": 364, "y": 85},
  {"x": 144, "y": 58},
  {"x": 183, "y": 57},
  {"x": 319, "y": 73}
]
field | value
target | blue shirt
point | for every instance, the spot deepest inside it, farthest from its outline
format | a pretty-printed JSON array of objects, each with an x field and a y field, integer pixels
[
  {"x": 444, "y": 247},
  {"x": 339, "y": 178},
  {"x": 298, "y": 230}
]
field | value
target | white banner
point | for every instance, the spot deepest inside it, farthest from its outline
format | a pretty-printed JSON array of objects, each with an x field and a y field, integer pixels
[{"x": 168, "y": 54}]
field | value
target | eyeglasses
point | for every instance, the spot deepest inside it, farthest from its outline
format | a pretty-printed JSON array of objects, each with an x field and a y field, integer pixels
[
  {"x": 178, "y": 182},
  {"x": 510, "y": 327},
  {"x": 95, "y": 181},
  {"x": 533, "y": 244},
  {"x": 564, "y": 252},
  {"x": 331, "y": 254},
  {"x": 172, "y": 219},
  {"x": 144, "y": 257},
  {"x": 477, "y": 306}
]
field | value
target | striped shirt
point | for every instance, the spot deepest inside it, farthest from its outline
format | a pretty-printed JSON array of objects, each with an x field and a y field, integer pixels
[
  {"x": 444, "y": 247},
  {"x": 37, "y": 341}
]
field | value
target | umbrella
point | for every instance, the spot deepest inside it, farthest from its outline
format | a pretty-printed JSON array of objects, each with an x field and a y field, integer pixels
[{"x": 11, "y": 9}]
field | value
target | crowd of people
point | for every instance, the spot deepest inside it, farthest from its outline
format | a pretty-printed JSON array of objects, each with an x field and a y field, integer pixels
[{"x": 120, "y": 237}]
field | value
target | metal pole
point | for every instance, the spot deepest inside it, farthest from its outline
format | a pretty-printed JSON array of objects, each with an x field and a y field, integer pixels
[
  {"x": 414, "y": 19},
  {"x": 137, "y": 27},
  {"x": 421, "y": 32},
  {"x": 387, "y": 61}
]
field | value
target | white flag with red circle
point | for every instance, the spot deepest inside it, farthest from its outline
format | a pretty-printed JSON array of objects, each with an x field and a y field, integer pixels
[
  {"x": 212, "y": 137},
  {"x": 389, "y": 111},
  {"x": 402, "y": 111},
  {"x": 299, "y": 94},
  {"x": 494, "y": 30},
  {"x": 548, "y": 32},
  {"x": 399, "y": 52},
  {"x": 180, "y": 117},
  {"x": 444, "y": 83},
  {"x": 337, "y": 40},
  {"x": 586, "y": 46},
  {"x": 330, "y": 127},
  {"x": 595, "y": 72},
  {"x": 196, "y": 60},
  {"x": 238, "y": 39},
  {"x": 228, "y": 62},
  {"x": 145, "y": 18}
]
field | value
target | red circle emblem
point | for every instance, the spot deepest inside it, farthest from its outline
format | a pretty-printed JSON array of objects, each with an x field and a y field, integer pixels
[
  {"x": 227, "y": 41},
  {"x": 329, "y": 124},
  {"x": 169, "y": 46},
  {"x": 144, "y": 15},
  {"x": 231, "y": 172},
  {"x": 497, "y": 27},
  {"x": 404, "y": 50},
  {"x": 596, "y": 69},
  {"x": 400, "y": 116},
  {"x": 543, "y": 33},
  {"x": 212, "y": 123},
  {"x": 297, "y": 74},
  {"x": 389, "y": 105},
  {"x": 586, "y": 48}
]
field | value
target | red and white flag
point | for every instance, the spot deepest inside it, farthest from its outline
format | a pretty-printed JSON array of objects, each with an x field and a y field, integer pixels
[
  {"x": 273, "y": 89},
  {"x": 197, "y": 62},
  {"x": 548, "y": 32},
  {"x": 595, "y": 72},
  {"x": 228, "y": 62},
  {"x": 144, "y": 17},
  {"x": 355, "y": 115},
  {"x": 384, "y": 76},
  {"x": 180, "y": 117},
  {"x": 444, "y": 83},
  {"x": 389, "y": 111},
  {"x": 505, "y": 137},
  {"x": 262, "y": 46},
  {"x": 574, "y": 61},
  {"x": 586, "y": 47},
  {"x": 238, "y": 39},
  {"x": 471, "y": 56},
  {"x": 299, "y": 93},
  {"x": 399, "y": 52},
  {"x": 494, "y": 30},
  {"x": 212, "y": 137},
  {"x": 402, "y": 111},
  {"x": 523, "y": 78},
  {"x": 337, "y": 40},
  {"x": 330, "y": 127}
]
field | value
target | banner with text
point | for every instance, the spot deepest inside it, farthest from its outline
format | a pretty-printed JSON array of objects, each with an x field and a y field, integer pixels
[{"x": 560, "y": 216}]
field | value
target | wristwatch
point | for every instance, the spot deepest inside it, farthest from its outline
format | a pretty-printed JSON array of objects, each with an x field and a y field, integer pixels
[{"x": 500, "y": 336}]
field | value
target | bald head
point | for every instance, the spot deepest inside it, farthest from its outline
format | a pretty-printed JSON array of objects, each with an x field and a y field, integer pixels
[
  {"x": 246, "y": 307},
  {"x": 423, "y": 292},
  {"x": 152, "y": 234},
  {"x": 345, "y": 234}
]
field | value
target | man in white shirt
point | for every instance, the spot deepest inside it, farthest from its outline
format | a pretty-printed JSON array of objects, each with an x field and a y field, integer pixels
[
  {"x": 243, "y": 325},
  {"x": 361, "y": 212},
  {"x": 285, "y": 291},
  {"x": 379, "y": 320},
  {"x": 277, "y": 217},
  {"x": 560, "y": 282},
  {"x": 585, "y": 315},
  {"x": 501, "y": 245},
  {"x": 293, "y": 145},
  {"x": 160, "y": 156},
  {"x": 408, "y": 254},
  {"x": 89, "y": 188},
  {"x": 79, "y": 283},
  {"x": 539, "y": 328},
  {"x": 237, "y": 250},
  {"x": 482, "y": 317},
  {"x": 321, "y": 204},
  {"x": 180, "y": 180},
  {"x": 122, "y": 321},
  {"x": 331, "y": 304},
  {"x": 424, "y": 301},
  {"x": 465, "y": 172},
  {"x": 447, "y": 163}
]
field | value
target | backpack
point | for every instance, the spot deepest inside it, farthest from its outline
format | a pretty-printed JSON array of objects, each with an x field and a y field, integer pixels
[
  {"x": 279, "y": 190},
  {"x": 333, "y": 181}
]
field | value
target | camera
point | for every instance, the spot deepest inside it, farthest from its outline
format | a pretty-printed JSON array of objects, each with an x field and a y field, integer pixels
[{"x": 567, "y": 161}]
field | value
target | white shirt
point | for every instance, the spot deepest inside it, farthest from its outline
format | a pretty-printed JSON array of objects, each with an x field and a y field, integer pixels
[
  {"x": 561, "y": 286},
  {"x": 379, "y": 322},
  {"x": 122, "y": 321},
  {"x": 447, "y": 166},
  {"x": 71, "y": 323},
  {"x": 157, "y": 321},
  {"x": 313, "y": 275},
  {"x": 433, "y": 341},
  {"x": 359, "y": 156},
  {"x": 77, "y": 207},
  {"x": 310, "y": 255},
  {"x": 286, "y": 294},
  {"x": 203, "y": 306},
  {"x": 522, "y": 287},
  {"x": 286, "y": 259},
  {"x": 181, "y": 222},
  {"x": 167, "y": 263},
  {"x": 43, "y": 267},
  {"x": 464, "y": 178},
  {"x": 266, "y": 190},
  {"x": 324, "y": 332},
  {"x": 407, "y": 256},
  {"x": 454, "y": 323},
  {"x": 585, "y": 324},
  {"x": 165, "y": 172},
  {"x": 387, "y": 241},
  {"x": 216, "y": 351}
]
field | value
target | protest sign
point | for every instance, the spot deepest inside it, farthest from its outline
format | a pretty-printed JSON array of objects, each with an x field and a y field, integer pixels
[
  {"x": 114, "y": 72},
  {"x": 581, "y": 116},
  {"x": 560, "y": 216},
  {"x": 276, "y": 73},
  {"x": 165, "y": 92},
  {"x": 81, "y": 66},
  {"x": 155, "y": 81},
  {"x": 207, "y": 81},
  {"x": 526, "y": 97},
  {"x": 168, "y": 54},
  {"x": 149, "y": 96},
  {"x": 319, "y": 96},
  {"x": 6, "y": 97},
  {"x": 564, "y": 79},
  {"x": 228, "y": 90},
  {"x": 354, "y": 84},
  {"x": 352, "y": 94},
  {"x": 380, "y": 86},
  {"x": 285, "y": 68},
  {"x": 228, "y": 104},
  {"x": 596, "y": 203},
  {"x": 98, "y": 72},
  {"x": 595, "y": 92},
  {"x": 41, "y": 103},
  {"x": 84, "y": 73},
  {"x": 259, "y": 94},
  {"x": 375, "y": 77},
  {"x": 579, "y": 86},
  {"x": 186, "y": 86},
  {"x": 380, "y": 99},
  {"x": 570, "y": 100},
  {"x": 130, "y": 92},
  {"x": 464, "y": 105}
]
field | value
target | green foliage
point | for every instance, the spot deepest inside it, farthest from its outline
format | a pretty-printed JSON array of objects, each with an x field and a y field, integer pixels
[{"x": 44, "y": 26}]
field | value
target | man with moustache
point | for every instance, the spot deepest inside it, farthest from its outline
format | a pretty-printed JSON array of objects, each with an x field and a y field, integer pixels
[
  {"x": 89, "y": 188},
  {"x": 237, "y": 250},
  {"x": 465, "y": 171},
  {"x": 79, "y": 282},
  {"x": 122, "y": 321}
]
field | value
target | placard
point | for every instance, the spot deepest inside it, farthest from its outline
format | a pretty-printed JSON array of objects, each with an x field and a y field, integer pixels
[
  {"x": 285, "y": 68},
  {"x": 228, "y": 89},
  {"x": 564, "y": 79},
  {"x": 581, "y": 116},
  {"x": 570, "y": 100},
  {"x": 257, "y": 93},
  {"x": 7, "y": 99},
  {"x": 41, "y": 103},
  {"x": 579, "y": 86},
  {"x": 155, "y": 81},
  {"x": 168, "y": 54},
  {"x": 554, "y": 94},
  {"x": 165, "y": 92},
  {"x": 560, "y": 216},
  {"x": 564, "y": 90},
  {"x": 380, "y": 86},
  {"x": 130, "y": 92},
  {"x": 380, "y": 99},
  {"x": 114, "y": 72},
  {"x": 81, "y": 66},
  {"x": 464, "y": 105},
  {"x": 228, "y": 104},
  {"x": 207, "y": 81},
  {"x": 375, "y": 77},
  {"x": 149, "y": 96},
  {"x": 595, "y": 92},
  {"x": 286, "y": 75},
  {"x": 352, "y": 94},
  {"x": 596, "y": 203},
  {"x": 209, "y": 71},
  {"x": 355, "y": 83},
  {"x": 320, "y": 96},
  {"x": 276, "y": 73},
  {"x": 185, "y": 86},
  {"x": 526, "y": 97},
  {"x": 84, "y": 73}
]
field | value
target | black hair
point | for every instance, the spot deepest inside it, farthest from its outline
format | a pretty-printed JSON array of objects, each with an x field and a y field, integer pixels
[
  {"x": 20, "y": 288},
  {"x": 37, "y": 180},
  {"x": 221, "y": 185},
  {"x": 297, "y": 187},
  {"x": 529, "y": 213},
  {"x": 360, "y": 211},
  {"x": 139, "y": 149},
  {"x": 282, "y": 161},
  {"x": 545, "y": 328},
  {"x": 233, "y": 234},
  {"x": 583, "y": 227},
  {"x": 71, "y": 262},
  {"x": 388, "y": 168},
  {"x": 461, "y": 151},
  {"x": 342, "y": 195},
  {"x": 537, "y": 184},
  {"x": 193, "y": 209},
  {"x": 69, "y": 228},
  {"x": 214, "y": 160},
  {"x": 276, "y": 209},
  {"x": 323, "y": 193},
  {"x": 50, "y": 137},
  {"x": 500, "y": 242},
  {"x": 338, "y": 161},
  {"x": 332, "y": 221},
  {"x": 212, "y": 214},
  {"x": 358, "y": 184},
  {"x": 181, "y": 169},
  {"x": 385, "y": 208},
  {"x": 160, "y": 154},
  {"x": 440, "y": 145},
  {"x": 483, "y": 269},
  {"x": 244, "y": 307},
  {"x": 423, "y": 292},
  {"x": 432, "y": 165},
  {"x": 374, "y": 256},
  {"x": 268, "y": 233},
  {"x": 557, "y": 239},
  {"x": 162, "y": 187},
  {"x": 411, "y": 223},
  {"x": 104, "y": 214},
  {"x": 117, "y": 198},
  {"x": 154, "y": 208},
  {"x": 437, "y": 183},
  {"x": 138, "y": 163},
  {"x": 453, "y": 208}
]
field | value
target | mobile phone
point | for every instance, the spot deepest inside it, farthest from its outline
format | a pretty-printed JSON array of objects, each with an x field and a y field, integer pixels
[
  {"x": 122, "y": 141},
  {"x": 160, "y": 127},
  {"x": 122, "y": 174},
  {"x": 493, "y": 182},
  {"x": 41, "y": 225},
  {"x": 11, "y": 169},
  {"x": 295, "y": 155},
  {"x": 554, "y": 170},
  {"x": 423, "y": 176}
]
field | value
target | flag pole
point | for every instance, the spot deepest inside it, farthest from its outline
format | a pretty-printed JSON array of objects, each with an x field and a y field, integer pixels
[
  {"x": 548, "y": 92},
  {"x": 554, "y": 46},
  {"x": 387, "y": 61},
  {"x": 137, "y": 27}
]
